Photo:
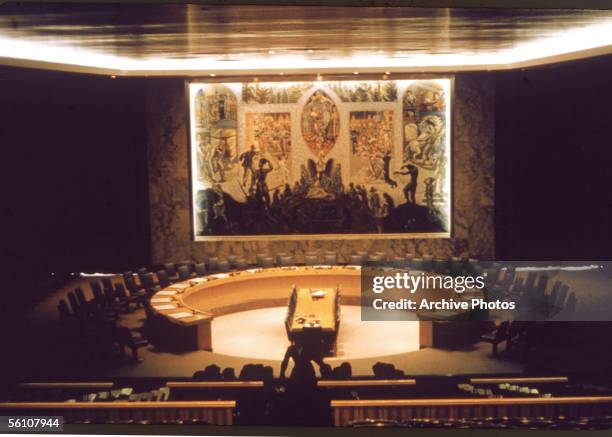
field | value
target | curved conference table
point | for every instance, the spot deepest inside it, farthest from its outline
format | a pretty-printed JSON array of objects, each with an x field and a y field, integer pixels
[{"x": 180, "y": 315}]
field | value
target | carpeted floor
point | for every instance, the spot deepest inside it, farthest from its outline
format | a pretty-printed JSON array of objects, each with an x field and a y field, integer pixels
[{"x": 39, "y": 349}]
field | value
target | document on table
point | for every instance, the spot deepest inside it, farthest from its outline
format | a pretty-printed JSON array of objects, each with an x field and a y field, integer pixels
[
  {"x": 221, "y": 275},
  {"x": 180, "y": 315},
  {"x": 167, "y": 292},
  {"x": 164, "y": 307},
  {"x": 180, "y": 286},
  {"x": 161, "y": 299}
]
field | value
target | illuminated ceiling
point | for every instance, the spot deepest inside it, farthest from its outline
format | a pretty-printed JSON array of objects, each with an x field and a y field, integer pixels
[{"x": 195, "y": 40}]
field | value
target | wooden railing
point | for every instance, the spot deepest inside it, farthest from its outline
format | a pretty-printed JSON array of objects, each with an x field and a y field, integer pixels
[
  {"x": 521, "y": 380},
  {"x": 347, "y": 411},
  {"x": 214, "y": 384},
  {"x": 365, "y": 382},
  {"x": 211, "y": 412}
]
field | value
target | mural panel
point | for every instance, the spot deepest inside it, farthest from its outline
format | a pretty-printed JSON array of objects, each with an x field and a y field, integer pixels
[
  {"x": 346, "y": 158},
  {"x": 216, "y": 131},
  {"x": 320, "y": 123}
]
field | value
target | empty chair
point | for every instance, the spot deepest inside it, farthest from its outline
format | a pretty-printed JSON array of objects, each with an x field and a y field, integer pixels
[
  {"x": 356, "y": 259},
  {"x": 330, "y": 258},
  {"x": 223, "y": 265},
  {"x": 213, "y": 263},
  {"x": 98, "y": 294},
  {"x": 200, "y": 269},
  {"x": 311, "y": 253},
  {"x": 83, "y": 302},
  {"x": 170, "y": 269},
  {"x": 142, "y": 271},
  {"x": 560, "y": 302},
  {"x": 183, "y": 273},
  {"x": 162, "y": 278},
  {"x": 150, "y": 286},
  {"x": 279, "y": 255},
  {"x": 267, "y": 262},
  {"x": 189, "y": 264},
  {"x": 107, "y": 285},
  {"x": 311, "y": 260},
  {"x": 126, "y": 300},
  {"x": 363, "y": 254},
  {"x": 232, "y": 260},
  {"x": 131, "y": 285},
  {"x": 259, "y": 257},
  {"x": 126, "y": 338},
  {"x": 381, "y": 255},
  {"x": 286, "y": 260},
  {"x": 428, "y": 262},
  {"x": 499, "y": 335},
  {"x": 241, "y": 264},
  {"x": 74, "y": 303},
  {"x": 374, "y": 259},
  {"x": 399, "y": 262}
]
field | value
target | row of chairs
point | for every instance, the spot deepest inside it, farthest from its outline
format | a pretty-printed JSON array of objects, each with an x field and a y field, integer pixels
[
  {"x": 97, "y": 319},
  {"x": 172, "y": 272}
]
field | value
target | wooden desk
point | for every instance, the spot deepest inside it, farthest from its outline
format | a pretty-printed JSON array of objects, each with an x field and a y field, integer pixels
[{"x": 316, "y": 312}]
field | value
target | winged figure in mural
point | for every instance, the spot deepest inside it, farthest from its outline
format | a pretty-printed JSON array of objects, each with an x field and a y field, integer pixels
[{"x": 318, "y": 170}]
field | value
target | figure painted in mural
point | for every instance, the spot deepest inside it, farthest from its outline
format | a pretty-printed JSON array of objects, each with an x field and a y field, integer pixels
[
  {"x": 246, "y": 160},
  {"x": 411, "y": 185},
  {"x": 387, "y": 174},
  {"x": 219, "y": 204},
  {"x": 261, "y": 187},
  {"x": 429, "y": 194}
]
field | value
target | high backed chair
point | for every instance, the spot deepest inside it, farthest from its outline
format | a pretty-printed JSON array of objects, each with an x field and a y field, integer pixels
[
  {"x": 241, "y": 264},
  {"x": 126, "y": 299},
  {"x": 213, "y": 263},
  {"x": 149, "y": 284},
  {"x": 125, "y": 339},
  {"x": 279, "y": 255},
  {"x": 399, "y": 262},
  {"x": 107, "y": 285},
  {"x": 183, "y": 273},
  {"x": 417, "y": 264},
  {"x": 162, "y": 278},
  {"x": 259, "y": 257},
  {"x": 190, "y": 265},
  {"x": 74, "y": 303},
  {"x": 98, "y": 294},
  {"x": 364, "y": 254},
  {"x": 170, "y": 268},
  {"x": 200, "y": 269},
  {"x": 287, "y": 260},
  {"x": 232, "y": 260},
  {"x": 131, "y": 285},
  {"x": 311, "y": 260},
  {"x": 83, "y": 302},
  {"x": 382, "y": 255},
  {"x": 266, "y": 262},
  {"x": 373, "y": 259},
  {"x": 356, "y": 259},
  {"x": 330, "y": 258},
  {"x": 223, "y": 265}
]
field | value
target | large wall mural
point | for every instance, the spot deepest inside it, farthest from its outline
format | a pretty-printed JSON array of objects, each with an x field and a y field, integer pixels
[{"x": 324, "y": 158}]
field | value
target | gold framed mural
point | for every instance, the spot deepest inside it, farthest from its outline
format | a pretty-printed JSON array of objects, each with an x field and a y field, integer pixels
[{"x": 338, "y": 159}]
